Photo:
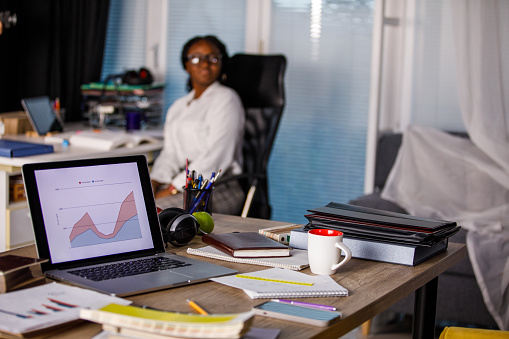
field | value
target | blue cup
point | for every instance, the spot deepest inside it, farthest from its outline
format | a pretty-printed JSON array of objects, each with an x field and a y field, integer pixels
[{"x": 133, "y": 120}]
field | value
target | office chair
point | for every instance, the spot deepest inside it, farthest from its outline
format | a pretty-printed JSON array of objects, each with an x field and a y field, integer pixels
[{"x": 258, "y": 79}]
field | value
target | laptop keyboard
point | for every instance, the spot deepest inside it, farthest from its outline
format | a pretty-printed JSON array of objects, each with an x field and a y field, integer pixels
[{"x": 128, "y": 268}]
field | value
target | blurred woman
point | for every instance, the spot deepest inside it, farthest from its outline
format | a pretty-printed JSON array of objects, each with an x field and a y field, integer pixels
[{"x": 205, "y": 128}]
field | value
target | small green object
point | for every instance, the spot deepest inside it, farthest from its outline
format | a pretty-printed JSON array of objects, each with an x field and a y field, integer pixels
[{"x": 205, "y": 221}]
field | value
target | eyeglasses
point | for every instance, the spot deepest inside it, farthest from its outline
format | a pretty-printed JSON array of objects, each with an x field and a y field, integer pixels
[{"x": 197, "y": 58}]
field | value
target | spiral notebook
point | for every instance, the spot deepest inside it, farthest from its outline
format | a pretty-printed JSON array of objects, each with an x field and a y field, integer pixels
[
  {"x": 283, "y": 283},
  {"x": 297, "y": 260}
]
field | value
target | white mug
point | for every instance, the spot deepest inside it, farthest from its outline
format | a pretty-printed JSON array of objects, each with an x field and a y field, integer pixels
[{"x": 324, "y": 251}]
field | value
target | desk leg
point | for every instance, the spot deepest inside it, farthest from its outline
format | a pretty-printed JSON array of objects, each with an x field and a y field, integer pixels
[{"x": 425, "y": 309}]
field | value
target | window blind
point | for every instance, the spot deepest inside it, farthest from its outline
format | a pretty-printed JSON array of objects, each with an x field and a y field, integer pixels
[
  {"x": 125, "y": 38},
  {"x": 319, "y": 152},
  {"x": 186, "y": 19}
]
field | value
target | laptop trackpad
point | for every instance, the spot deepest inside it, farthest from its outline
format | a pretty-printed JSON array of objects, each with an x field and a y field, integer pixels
[{"x": 167, "y": 277}]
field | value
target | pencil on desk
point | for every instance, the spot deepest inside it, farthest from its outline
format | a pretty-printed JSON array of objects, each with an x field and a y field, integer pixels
[{"x": 197, "y": 307}]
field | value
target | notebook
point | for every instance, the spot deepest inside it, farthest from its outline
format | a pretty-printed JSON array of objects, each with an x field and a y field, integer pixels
[
  {"x": 14, "y": 148},
  {"x": 246, "y": 245},
  {"x": 298, "y": 259},
  {"x": 90, "y": 214},
  {"x": 284, "y": 283}
]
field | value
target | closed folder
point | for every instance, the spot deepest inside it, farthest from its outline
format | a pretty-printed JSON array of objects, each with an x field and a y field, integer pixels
[{"x": 11, "y": 148}]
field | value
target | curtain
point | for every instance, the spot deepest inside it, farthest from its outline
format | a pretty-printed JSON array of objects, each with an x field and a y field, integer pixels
[
  {"x": 56, "y": 47},
  {"x": 482, "y": 46},
  {"x": 78, "y": 34},
  {"x": 467, "y": 180}
]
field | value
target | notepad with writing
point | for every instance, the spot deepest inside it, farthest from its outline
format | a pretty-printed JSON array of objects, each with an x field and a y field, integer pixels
[
  {"x": 33, "y": 311},
  {"x": 246, "y": 245},
  {"x": 297, "y": 260},
  {"x": 283, "y": 283}
]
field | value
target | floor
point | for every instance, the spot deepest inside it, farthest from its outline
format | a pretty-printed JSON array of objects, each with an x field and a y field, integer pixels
[
  {"x": 356, "y": 334},
  {"x": 386, "y": 326}
]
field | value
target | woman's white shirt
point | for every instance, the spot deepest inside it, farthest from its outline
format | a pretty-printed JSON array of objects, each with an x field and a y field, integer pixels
[{"x": 208, "y": 131}]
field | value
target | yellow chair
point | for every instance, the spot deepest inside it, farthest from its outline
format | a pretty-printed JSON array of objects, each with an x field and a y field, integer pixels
[{"x": 472, "y": 333}]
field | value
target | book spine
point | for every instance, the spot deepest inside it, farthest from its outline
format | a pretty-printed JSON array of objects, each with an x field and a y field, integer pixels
[
  {"x": 391, "y": 253},
  {"x": 299, "y": 239},
  {"x": 362, "y": 249},
  {"x": 5, "y": 153},
  {"x": 33, "y": 151}
]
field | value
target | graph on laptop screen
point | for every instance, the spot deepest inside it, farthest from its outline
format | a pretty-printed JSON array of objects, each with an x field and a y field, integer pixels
[{"x": 93, "y": 211}]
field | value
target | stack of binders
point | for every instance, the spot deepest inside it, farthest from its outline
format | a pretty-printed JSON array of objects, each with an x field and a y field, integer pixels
[
  {"x": 380, "y": 235},
  {"x": 17, "y": 272}
]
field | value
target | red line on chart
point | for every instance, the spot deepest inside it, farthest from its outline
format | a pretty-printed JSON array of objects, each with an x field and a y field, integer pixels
[
  {"x": 61, "y": 303},
  {"x": 36, "y": 312},
  {"x": 126, "y": 212},
  {"x": 53, "y": 308}
]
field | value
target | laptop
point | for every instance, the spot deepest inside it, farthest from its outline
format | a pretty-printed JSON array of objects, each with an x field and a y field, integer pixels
[
  {"x": 41, "y": 115},
  {"x": 91, "y": 215}
]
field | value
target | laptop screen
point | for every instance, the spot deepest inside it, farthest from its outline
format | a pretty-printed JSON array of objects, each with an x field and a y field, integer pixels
[
  {"x": 87, "y": 209},
  {"x": 41, "y": 116}
]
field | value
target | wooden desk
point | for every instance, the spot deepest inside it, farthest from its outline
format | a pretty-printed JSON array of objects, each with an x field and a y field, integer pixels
[
  {"x": 15, "y": 224},
  {"x": 373, "y": 287}
]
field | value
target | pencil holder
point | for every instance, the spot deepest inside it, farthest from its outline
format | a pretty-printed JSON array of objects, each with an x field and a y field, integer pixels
[{"x": 198, "y": 200}]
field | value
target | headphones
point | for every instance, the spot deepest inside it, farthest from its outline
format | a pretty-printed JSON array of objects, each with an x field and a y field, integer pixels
[
  {"x": 178, "y": 226},
  {"x": 141, "y": 77}
]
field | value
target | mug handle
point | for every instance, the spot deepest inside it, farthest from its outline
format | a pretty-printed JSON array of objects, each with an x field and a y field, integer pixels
[{"x": 348, "y": 255}]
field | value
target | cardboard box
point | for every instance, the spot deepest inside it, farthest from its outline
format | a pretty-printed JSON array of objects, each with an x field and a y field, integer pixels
[
  {"x": 16, "y": 189},
  {"x": 16, "y": 122}
]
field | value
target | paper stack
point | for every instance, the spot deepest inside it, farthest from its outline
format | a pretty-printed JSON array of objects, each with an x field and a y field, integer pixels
[{"x": 145, "y": 323}]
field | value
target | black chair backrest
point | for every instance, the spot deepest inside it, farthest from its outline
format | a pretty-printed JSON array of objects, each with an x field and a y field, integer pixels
[{"x": 258, "y": 79}]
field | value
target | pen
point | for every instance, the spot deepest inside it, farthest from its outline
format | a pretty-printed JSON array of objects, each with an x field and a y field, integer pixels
[
  {"x": 196, "y": 307},
  {"x": 217, "y": 176},
  {"x": 187, "y": 172},
  {"x": 201, "y": 195},
  {"x": 302, "y": 303},
  {"x": 204, "y": 183}
]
